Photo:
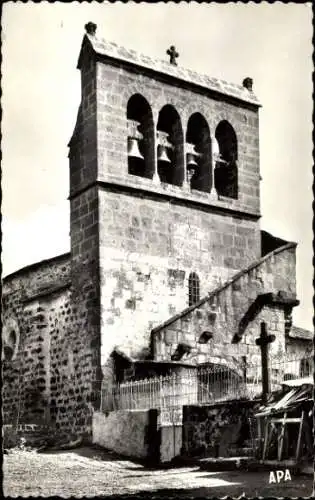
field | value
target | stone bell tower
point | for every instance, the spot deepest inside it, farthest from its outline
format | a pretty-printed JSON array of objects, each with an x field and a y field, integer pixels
[{"x": 164, "y": 189}]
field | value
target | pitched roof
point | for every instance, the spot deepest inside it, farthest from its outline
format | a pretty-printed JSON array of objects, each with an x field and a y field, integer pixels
[
  {"x": 37, "y": 265},
  {"x": 289, "y": 400},
  {"x": 112, "y": 50},
  {"x": 301, "y": 333}
]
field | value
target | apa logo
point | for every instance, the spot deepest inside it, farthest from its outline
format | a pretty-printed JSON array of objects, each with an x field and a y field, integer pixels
[{"x": 279, "y": 475}]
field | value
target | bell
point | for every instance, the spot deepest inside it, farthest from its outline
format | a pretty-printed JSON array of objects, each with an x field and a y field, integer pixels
[
  {"x": 133, "y": 148},
  {"x": 217, "y": 156},
  {"x": 220, "y": 160},
  {"x": 162, "y": 154},
  {"x": 191, "y": 162}
]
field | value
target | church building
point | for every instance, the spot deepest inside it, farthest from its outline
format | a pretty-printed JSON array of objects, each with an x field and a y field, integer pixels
[{"x": 168, "y": 264}]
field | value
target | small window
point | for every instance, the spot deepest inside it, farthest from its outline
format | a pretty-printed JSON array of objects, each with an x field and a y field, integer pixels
[{"x": 193, "y": 289}]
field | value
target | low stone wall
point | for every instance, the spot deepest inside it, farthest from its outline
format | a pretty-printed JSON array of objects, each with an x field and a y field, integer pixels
[
  {"x": 212, "y": 430},
  {"x": 132, "y": 433},
  {"x": 138, "y": 434}
]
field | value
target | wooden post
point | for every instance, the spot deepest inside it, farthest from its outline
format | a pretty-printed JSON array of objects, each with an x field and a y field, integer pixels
[
  {"x": 281, "y": 437},
  {"x": 263, "y": 341},
  {"x": 266, "y": 440},
  {"x": 298, "y": 446}
]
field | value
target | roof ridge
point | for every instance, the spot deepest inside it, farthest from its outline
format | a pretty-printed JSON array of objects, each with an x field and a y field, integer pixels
[{"x": 111, "y": 49}]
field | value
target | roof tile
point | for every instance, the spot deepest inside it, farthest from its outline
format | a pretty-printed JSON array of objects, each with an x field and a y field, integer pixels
[{"x": 301, "y": 333}]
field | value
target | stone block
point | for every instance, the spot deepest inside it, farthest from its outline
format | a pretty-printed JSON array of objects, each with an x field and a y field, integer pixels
[{"x": 170, "y": 337}]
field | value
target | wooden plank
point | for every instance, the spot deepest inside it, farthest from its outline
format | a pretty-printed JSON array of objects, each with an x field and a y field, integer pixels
[
  {"x": 259, "y": 429},
  {"x": 287, "y": 420},
  {"x": 298, "y": 447},
  {"x": 283, "y": 401},
  {"x": 308, "y": 436},
  {"x": 268, "y": 435},
  {"x": 266, "y": 440},
  {"x": 280, "y": 439}
]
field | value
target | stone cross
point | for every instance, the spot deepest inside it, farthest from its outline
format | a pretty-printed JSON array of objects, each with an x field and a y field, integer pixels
[
  {"x": 173, "y": 55},
  {"x": 263, "y": 342}
]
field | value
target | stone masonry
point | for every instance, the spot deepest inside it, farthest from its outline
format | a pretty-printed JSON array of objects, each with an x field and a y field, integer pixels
[
  {"x": 214, "y": 430},
  {"x": 152, "y": 234},
  {"x": 226, "y": 314},
  {"x": 49, "y": 379},
  {"x": 136, "y": 240}
]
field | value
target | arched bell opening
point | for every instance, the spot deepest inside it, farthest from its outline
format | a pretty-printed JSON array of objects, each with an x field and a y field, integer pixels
[
  {"x": 198, "y": 153},
  {"x": 140, "y": 142},
  {"x": 170, "y": 157},
  {"x": 225, "y": 157}
]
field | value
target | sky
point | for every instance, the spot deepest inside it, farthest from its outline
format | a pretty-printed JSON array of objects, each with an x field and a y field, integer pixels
[{"x": 271, "y": 43}]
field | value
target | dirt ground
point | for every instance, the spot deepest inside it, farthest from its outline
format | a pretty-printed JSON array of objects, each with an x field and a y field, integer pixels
[{"x": 93, "y": 472}]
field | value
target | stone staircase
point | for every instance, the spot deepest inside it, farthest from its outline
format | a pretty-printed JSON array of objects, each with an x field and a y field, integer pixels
[{"x": 238, "y": 457}]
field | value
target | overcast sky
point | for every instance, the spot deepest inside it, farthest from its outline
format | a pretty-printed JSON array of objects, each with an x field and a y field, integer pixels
[{"x": 41, "y": 94}]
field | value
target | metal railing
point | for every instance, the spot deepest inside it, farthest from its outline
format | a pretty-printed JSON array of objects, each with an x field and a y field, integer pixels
[{"x": 200, "y": 386}]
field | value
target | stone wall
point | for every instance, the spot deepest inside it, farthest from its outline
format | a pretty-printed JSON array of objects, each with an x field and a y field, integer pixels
[
  {"x": 84, "y": 219},
  {"x": 71, "y": 368},
  {"x": 38, "y": 278},
  {"x": 129, "y": 433},
  {"x": 83, "y": 143},
  {"x": 148, "y": 249},
  {"x": 51, "y": 378},
  {"x": 209, "y": 431},
  {"x": 137, "y": 434},
  {"x": 26, "y": 375},
  {"x": 151, "y": 234},
  {"x": 134, "y": 241},
  {"x": 116, "y": 84},
  {"x": 84, "y": 225},
  {"x": 227, "y": 315}
]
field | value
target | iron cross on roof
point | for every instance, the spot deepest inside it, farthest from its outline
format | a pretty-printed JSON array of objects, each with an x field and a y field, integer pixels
[{"x": 173, "y": 55}]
